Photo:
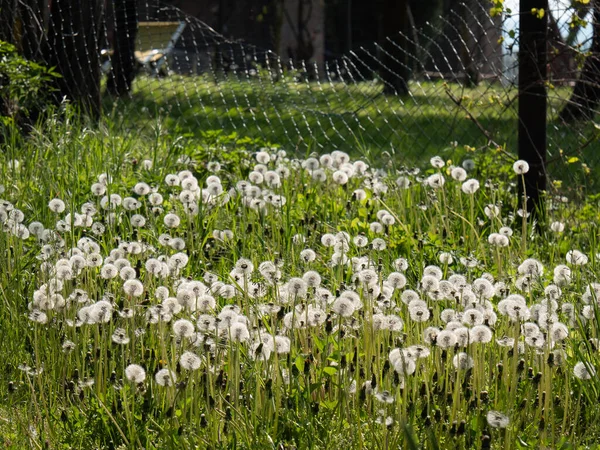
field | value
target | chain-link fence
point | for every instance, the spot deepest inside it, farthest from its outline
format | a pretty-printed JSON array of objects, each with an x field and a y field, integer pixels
[{"x": 450, "y": 81}]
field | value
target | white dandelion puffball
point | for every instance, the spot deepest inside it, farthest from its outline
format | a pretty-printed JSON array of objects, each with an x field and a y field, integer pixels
[
  {"x": 584, "y": 371},
  {"x": 190, "y": 361},
  {"x": 56, "y": 205},
  {"x": 165, "y": 377},
  {"x": 437, "y": 162},
  {"x": 521, "y": 167},
  {"x": 470, "y": 186},
  {"x": 497, "y": 420},
  {"x": 458, "y": 173},
  {"x": 135, "y": 374},
  {"x": 133, "y": 287}
]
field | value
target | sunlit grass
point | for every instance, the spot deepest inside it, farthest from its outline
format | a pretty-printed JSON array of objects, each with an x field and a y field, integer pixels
[{"x": 330, "y": 281}]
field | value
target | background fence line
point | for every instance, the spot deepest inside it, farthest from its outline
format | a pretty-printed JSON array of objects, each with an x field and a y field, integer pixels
[{"x": 415, "y": 93}]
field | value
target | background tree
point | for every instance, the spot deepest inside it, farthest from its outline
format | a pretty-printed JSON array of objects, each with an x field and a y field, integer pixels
[
  {"x": 73, "y": 47},
  {"x": 533, "y": 30},
  {"x": 400, "y": 19},
  {"x": 586, "y": 94},
  {"x": 125, "y": 24}
]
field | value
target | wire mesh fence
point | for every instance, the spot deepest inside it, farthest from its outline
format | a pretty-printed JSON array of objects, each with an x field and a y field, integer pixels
[{"x": 447, "y": 83}]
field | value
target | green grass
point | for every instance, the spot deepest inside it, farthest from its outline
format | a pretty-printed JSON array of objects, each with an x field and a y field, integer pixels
[
  {"x": 350, "y": 115},
  {"x": 339, "y": 385}
]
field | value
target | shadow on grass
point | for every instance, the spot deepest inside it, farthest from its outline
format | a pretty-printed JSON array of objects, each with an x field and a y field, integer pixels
[{"x": 356, "y": 118}]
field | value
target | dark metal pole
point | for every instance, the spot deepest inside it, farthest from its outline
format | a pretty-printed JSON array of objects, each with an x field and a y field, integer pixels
[{"x": 533, "y": 99}]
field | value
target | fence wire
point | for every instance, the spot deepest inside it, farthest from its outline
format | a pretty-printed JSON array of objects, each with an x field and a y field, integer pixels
[{"x": 449, "y": 82}]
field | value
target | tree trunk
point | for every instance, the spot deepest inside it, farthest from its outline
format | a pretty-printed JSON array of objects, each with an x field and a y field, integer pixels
[
  {"x": 533, "y": 101},
  {"x": 395, "y": 70},
  {"x": 123, "y": 57},
  {"x": 586, "y": 94},
  {"x": 73, "y": 48},
  {"x": 302, "y": 36},
  {"x": 7, "y": 16},
  {"x": 8, "y": 10}
]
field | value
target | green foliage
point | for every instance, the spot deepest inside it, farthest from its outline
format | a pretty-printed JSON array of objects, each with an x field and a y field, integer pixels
[
  {"x": 23, "y": 84},
  {"x": 304, "y": 398}
]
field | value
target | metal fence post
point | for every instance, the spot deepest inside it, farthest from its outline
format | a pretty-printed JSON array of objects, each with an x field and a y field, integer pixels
[{"x": 533, "y": 99}]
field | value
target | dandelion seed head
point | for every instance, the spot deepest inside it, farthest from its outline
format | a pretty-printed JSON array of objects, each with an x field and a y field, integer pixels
[
  {"x": 183, "y": 328},
  {"x": 119, "y": 336},
  {"x": 165, "y": 377},
  {"x": 521, "y": 167},
  {"x": 133, "y": 287},
  {"x": 471, "y": 186},
  {"x": 343, "y": 306},
  {"x": 496, "y": 419},
  {"x": 190, "y": 361},
  {"x": 56, "y": 205},
  {"x": 437, "y": 162},
  {"x": 576, "y": 258},
  {"x": 584, "y": 371},
  {"x": 462, "y": 361},
  {"x": 458, "y": 173}
]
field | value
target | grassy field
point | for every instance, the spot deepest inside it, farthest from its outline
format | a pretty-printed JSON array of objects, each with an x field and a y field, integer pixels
[
  {"x": 356, "y": 117},
  {"x": 166, "y": 290}
]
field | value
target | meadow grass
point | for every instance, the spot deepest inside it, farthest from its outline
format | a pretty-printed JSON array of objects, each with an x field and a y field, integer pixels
[
  {"x": 164, "y": 291},
  {"x": 356, "y": 117}
]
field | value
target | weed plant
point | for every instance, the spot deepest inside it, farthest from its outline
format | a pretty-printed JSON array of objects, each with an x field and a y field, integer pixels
[{"x": 168, "y": 294}]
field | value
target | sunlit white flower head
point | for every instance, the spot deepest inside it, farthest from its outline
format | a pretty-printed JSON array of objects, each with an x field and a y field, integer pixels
[
  {"x": 491, "y": 211},
  {"x": 562, "y": 275},
  {"x": 190, "y": 361},
  {"x": 462, "y": 361},
  {"x": 531, "y": 267},
  {"x": 343, "y": 306},
  {"x": 172, "y": 220},
  {"x": 418, "y": 311},
  {"x": 401, "y": 264},
  {"x": 402, "y": 362},
  {"x": 135, "y": 373},
  {"x": 396, "y": 280},
  {"x": 119, "y": 336},
  {"x": 521, "y": 167},
  {"x": 328, "y": 240},
  {"x": 141, "y": 188},
  {"x": 133, "y": 287},
  {"x": 446, "y": 339},
  {"x": 56, "y": 205},
  {"x": 458, "y": 173},
  {"x": 584, "y": 371},
  {"x": 437, "y": 162},
  {"x": 165, "y": 377},
  {"x": 470, "y": 186},
  {"x": 339, "y": 177},
  {"x": 312, "y": 278},
  {"x": 38, "y": 317},
  {"x": 576, "y": 258},
  {"x": 496, "y": 419},
  {"x": 498, "y": 240},
  {"x": 263, "y": 157},
  {"x": 378, "y": 244},
  {"x": 238, "y": 332},
  {"x": 557, "y": 227},
  {"x": 326, "y": 160},
  {"x": 403, "y": 182},
  {"x": 480, "y": 334},
  {"x": 183, "y": 328},
  {"x": 445, "y": 258},
  {"x": 435, "y": 181}
]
